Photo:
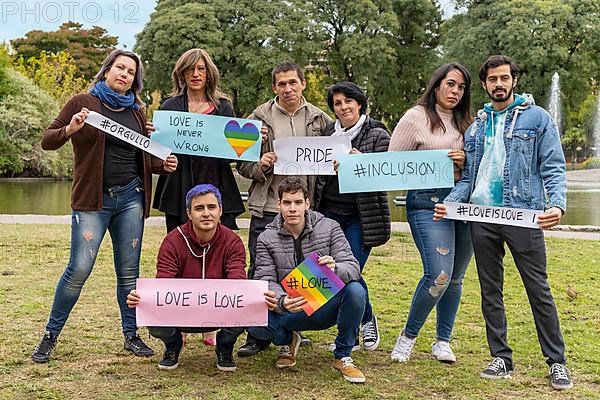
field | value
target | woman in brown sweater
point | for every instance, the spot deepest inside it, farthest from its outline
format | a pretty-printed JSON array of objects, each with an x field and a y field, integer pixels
[
  {"x": 112, "y": 184},
  {"x": 437, "y": 121}
]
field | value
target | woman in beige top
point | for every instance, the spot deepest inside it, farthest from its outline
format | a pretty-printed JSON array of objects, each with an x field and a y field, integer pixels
[{"x": 437, "y": 121}]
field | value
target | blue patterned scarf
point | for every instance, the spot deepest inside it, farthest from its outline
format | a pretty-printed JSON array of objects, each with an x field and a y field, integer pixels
[{"x": 112, "y": 98}]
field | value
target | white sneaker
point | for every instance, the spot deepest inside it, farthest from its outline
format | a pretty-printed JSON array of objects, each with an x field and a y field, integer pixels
[
  {"x": 403, "y": 348},
  {"x": 443, "y": 352},
  {"x": 370, "y": 334}
]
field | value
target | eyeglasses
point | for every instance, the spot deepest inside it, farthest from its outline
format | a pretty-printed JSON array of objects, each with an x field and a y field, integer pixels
[{"x": 192, "y": 70}]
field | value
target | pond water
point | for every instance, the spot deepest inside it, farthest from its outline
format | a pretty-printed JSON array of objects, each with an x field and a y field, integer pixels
[{"x": 53, "y": 198}]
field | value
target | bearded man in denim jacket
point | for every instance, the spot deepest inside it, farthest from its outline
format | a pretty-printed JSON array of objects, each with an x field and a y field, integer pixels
[{"x": 514, "y": 159}]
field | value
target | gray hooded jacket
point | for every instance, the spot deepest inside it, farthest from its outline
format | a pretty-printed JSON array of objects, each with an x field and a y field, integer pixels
[{"x": 278, "y": 253}]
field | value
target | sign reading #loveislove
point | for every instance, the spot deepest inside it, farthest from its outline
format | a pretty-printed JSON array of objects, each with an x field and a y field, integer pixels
[
  {"x": 313, "y": 281},
  {"x": 396, "y": 170},
  {"x": 208, "y": 135}
]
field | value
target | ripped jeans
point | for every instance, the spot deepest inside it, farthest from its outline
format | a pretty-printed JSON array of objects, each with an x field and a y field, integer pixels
[
  {"x": 446, "y": 250},
  {"x": 122, "y": 214}
]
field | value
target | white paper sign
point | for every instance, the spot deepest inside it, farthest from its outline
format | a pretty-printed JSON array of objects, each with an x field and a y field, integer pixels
[
  {"x": 493, "y": 215},
  {"x": 119, "y": 131},
  {"x": 312, "y": 155}
]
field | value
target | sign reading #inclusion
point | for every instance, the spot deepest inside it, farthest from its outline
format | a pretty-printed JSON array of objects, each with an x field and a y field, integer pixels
[
  {"x": 208, "y": 135},
  {"x": 401, "y": 170}
]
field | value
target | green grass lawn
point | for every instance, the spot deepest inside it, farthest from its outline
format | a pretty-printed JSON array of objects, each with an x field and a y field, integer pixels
[{"x": 89, "y": 361}]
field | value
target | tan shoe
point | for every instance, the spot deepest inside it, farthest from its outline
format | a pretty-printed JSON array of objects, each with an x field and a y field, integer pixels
[
  {"x": 346, "y": 366},
  {"x": 288, "y": 353}
]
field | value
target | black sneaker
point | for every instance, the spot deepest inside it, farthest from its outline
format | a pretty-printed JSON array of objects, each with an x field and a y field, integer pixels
[
  {"x": 170, "y": 359},
  {"x": 252, "y": 347},
  {"x": 41, "y": 354},
  {"x": 496, "y": 370},
  {"x": 560, "y": 378},
  {"x": 225, "y": 362},
  {"x": 370, "y": 334},
  {"x": 137, "y": 346}
]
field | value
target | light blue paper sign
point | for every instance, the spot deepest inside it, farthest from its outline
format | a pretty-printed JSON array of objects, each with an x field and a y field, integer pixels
[
  {"x": 208, "y": 135},
  {"x": 397, "y": 170}
]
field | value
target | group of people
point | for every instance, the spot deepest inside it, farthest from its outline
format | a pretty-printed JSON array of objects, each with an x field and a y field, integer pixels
[{"x": 509, "y": 155}]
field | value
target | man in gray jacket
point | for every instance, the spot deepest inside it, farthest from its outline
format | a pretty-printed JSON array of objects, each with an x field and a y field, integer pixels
[
  {"x": 295, "y": 233},
  {"x": 287, "y": 115}
]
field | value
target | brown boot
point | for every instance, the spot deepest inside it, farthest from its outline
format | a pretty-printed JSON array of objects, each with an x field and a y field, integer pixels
[
  {"x": 288, "y": 353},
  {"x": 346, "y": 366}
]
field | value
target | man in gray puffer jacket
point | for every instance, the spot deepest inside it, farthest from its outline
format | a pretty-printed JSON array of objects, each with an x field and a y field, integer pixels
[{"x": 295, "y": 233}]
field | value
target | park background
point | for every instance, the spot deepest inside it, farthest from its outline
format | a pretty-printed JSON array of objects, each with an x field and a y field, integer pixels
[{"x": 389, "y": 48}]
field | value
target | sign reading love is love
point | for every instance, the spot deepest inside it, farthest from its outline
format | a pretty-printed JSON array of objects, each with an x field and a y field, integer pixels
[
  {"x": 315, "y": 282},
  {"x": 201, "y": 302},
  {"x": 208, "y": 135}
]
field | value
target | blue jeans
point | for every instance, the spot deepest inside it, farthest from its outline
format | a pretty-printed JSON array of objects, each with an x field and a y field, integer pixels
[
  {"x": 173, "y": 340},
  {"x": 122, "y": 214},
  {"x": 350, "y": 225},
  {"x": 345, "y": 310},
  {"x": 446, "y": 250}
]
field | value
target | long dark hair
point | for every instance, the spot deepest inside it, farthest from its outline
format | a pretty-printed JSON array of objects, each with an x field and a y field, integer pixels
[
  {"x": 462, "y": 117},
  {"x": 136, "y": 85}
]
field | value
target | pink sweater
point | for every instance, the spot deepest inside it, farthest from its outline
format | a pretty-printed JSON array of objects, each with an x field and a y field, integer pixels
[{"x": 413, "y": 133}]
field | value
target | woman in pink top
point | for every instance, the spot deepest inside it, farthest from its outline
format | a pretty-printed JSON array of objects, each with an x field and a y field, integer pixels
[{"x": 437, "y": 121}]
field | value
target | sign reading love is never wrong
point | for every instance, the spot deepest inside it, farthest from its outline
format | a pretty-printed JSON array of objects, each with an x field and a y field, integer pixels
[{"x": 208, "y": 135}]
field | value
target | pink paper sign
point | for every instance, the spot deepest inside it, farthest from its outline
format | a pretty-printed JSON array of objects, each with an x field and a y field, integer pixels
[{"x": 201, "y": 302}]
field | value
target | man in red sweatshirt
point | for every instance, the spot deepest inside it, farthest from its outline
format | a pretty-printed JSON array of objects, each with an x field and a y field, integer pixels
[{"x": 201, "y": 248}]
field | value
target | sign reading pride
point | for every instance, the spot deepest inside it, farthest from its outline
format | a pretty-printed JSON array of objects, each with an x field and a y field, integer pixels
[
  {"x": 493, "y": 215},
  {"x": 315, "y": 282},
  {"x": 309, "y": 155},
  {"x": 400, "y": 170},
  {"x": 208, "y": 135},
  {"x": 201, "y": 302},
  {"x": 119, "y": 131}
]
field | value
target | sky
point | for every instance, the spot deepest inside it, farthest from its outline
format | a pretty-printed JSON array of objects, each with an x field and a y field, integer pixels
[{"x": 123, "y": 18}]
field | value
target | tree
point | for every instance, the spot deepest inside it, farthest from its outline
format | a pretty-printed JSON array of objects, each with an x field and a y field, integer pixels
[
  {"x": 88, "y": 47},
  {"x": 55, "y": 73},
  {"x": 24, "y": 114},
  {"x": 388, "y": 47},
  {"x": 544, "y": 36},
  {"x": 245, "y": 39},
  {"x": 572, "y": 140}
]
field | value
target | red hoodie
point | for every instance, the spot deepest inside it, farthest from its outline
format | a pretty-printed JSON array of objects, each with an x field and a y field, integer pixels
[{"x": 223, "y": 257}]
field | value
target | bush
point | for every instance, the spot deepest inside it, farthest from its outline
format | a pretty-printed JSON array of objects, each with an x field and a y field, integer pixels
[
  {"x": 24, "y": 114},
  {"x": 591, "y": 163}
]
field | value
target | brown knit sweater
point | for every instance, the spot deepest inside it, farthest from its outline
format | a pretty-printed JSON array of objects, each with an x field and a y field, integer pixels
[{"x": 88, "y": 149}]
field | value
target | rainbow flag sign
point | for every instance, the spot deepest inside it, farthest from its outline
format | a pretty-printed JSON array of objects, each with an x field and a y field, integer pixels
[{"x": 315, "y": 282}]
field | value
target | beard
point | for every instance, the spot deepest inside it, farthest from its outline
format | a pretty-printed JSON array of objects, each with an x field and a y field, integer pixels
[{"x": 500, "y": 96}]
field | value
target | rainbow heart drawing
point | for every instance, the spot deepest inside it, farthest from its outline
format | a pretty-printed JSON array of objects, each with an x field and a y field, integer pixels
[{"x": 241, "y": 139}]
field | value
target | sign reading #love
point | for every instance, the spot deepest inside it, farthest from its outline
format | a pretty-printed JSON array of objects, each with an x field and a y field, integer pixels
[{"x": 208, "y": 135}]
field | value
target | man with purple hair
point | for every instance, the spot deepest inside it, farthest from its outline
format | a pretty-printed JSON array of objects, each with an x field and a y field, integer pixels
[{"x": 202, "y": 248}]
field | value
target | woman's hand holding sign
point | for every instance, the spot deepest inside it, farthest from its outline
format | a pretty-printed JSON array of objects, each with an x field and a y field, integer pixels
[{"x": 77, "y": 122}]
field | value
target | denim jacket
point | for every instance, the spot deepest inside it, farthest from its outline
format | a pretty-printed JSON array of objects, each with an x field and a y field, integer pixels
[{"x": 534, "y": 170}]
